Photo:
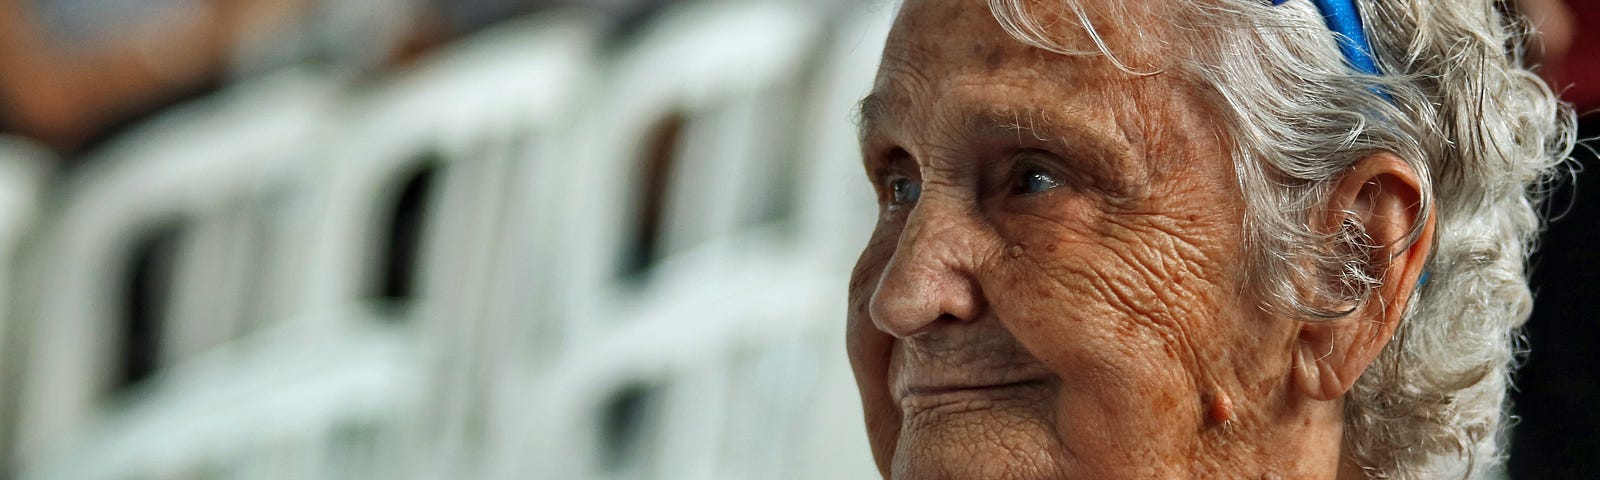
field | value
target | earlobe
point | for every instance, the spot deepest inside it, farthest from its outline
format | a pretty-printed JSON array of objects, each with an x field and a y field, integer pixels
[
  {"x": 1382, "y": 198},
  {"x": 1328, "y": 359},
  {"x": 1313, "y": 362}
]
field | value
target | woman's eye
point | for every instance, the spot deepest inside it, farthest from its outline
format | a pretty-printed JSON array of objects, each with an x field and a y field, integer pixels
[
  {"x": 1035, "y": 180},
  {"x": 904, "y": 190}
]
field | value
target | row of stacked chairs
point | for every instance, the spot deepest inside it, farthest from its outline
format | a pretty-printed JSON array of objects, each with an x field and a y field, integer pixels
[{"x": 542, "y": 252}]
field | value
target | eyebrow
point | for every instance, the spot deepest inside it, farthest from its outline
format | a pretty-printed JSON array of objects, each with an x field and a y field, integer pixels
[
  {"x": 1036, "y": 122},
  {"x": 869, "y": 113},
  {"x": 1105, "y": 153}
]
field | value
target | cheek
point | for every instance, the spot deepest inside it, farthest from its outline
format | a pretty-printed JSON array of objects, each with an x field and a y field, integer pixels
[
  {"x": 869, "y": 348},
  {"x": 863, "y": 284},
  {"x": 1124, "y": 312},
  {"x": 1089, "y": 316},
  {"x": 1103, "y": 292},
  {"x": 1149, "y": 282}
]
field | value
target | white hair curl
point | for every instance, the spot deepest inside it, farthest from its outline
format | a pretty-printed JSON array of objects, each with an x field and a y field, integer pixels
[{"x": 1453, "y": 101}]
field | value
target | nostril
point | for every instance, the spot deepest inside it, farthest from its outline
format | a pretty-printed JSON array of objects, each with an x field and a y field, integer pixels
[{"x": 932, "y": 275}]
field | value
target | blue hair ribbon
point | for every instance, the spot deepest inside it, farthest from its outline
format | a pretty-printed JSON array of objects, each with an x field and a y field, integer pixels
[{"x": 1345, "y": 20}]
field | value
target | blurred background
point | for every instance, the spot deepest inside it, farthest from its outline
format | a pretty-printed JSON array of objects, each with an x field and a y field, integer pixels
[{"x": 609, "y": 239}]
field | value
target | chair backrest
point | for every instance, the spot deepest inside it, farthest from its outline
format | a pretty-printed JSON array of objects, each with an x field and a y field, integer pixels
[
  {"x": 710, "y": 84},
  {"x": 450, "y": 130},
  {"x": 684, "y": 147},
  {"x": 837, "y": 205},
  {"x": 727, "y": 360},
  {"x": 458, "y": 133},
  {"x": 187, "y": 194},
  {"x": 23, "y": 176},
  {"x": 837, "y": 212}
]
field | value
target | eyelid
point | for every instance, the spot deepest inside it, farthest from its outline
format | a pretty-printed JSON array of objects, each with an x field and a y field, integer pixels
[
  {"x": 1024, "y": 164},
  {"x": 886, "y": 166},
  {"x": 1034, "y": 156},
  {"x": 1083, "y": 174},
  {"x": 1038, "y": 160},
  {"x": 879, "y": 160}
]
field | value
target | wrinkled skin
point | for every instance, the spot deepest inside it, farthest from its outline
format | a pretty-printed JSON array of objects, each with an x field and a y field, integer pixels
[{"x": 1054, "y": 288}]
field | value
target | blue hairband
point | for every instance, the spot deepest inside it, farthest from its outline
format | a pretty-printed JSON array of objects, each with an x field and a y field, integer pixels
[{"x": 1344, "y": 19}]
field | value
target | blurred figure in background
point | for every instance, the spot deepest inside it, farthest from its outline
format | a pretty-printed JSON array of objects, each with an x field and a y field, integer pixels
[
  {"x": 73, "y": 69},
  {"x": 74, "y": 72}
]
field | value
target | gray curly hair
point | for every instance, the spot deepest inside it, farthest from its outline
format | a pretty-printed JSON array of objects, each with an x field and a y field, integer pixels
[{"x": 1455, "y": 102}]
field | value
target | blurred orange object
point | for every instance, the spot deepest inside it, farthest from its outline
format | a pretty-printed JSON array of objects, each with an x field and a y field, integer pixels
[{"x": 63, "y": 95}]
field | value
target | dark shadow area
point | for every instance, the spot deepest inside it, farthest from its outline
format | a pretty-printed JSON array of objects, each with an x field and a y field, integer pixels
[
  {"x": 1558, "y": 387},
  {"x": 402, "y": 247},
  {"x": 657, "y": 163},
  {"x": 623, "y": 426},
  {"x": 144, "y": 301}
]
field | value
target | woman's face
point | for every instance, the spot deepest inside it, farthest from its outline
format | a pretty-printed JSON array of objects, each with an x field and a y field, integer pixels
[{"x": 1054, "y": 287}]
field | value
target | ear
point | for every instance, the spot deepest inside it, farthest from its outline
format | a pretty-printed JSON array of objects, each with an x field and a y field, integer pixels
[{"x": 1383, "y": 196}]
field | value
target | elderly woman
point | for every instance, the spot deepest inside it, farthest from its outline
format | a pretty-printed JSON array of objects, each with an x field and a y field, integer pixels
[{"x": 1197, "y": 238}]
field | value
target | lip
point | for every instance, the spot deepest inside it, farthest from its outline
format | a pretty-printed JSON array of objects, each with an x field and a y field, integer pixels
[
  {"x": 928, "y": 396},
  {"x": 965, "y": 365}
]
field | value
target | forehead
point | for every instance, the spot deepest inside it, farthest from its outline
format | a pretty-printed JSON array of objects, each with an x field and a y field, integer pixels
[{"x": 954, "y": 51}]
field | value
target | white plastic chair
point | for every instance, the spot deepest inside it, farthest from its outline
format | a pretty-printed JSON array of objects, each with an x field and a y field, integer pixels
[
  {"x": 24, "y": 169},
  {"x": 285, "y": 404},
  {"x": 215, "y": 165},
  {"x": 728, "y": 71},
  {"x": 724, "y": 293},
  {"x": 741, "y": 336},
  {"x": 838, "y": 207},
  {"x": 837, "y": 212},
  {"x": 23, "y": 172},
  {"x": 728, "y": 360},
  {"x": 487, "y": 110}
]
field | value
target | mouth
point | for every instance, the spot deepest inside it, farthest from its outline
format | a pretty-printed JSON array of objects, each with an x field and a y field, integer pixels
[
  {"x": 922, "y": 397},
  {"x": 966, "y": 367}
]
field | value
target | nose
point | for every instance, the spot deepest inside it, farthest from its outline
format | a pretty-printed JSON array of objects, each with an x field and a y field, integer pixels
[{"x": 930, "y": 278}]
